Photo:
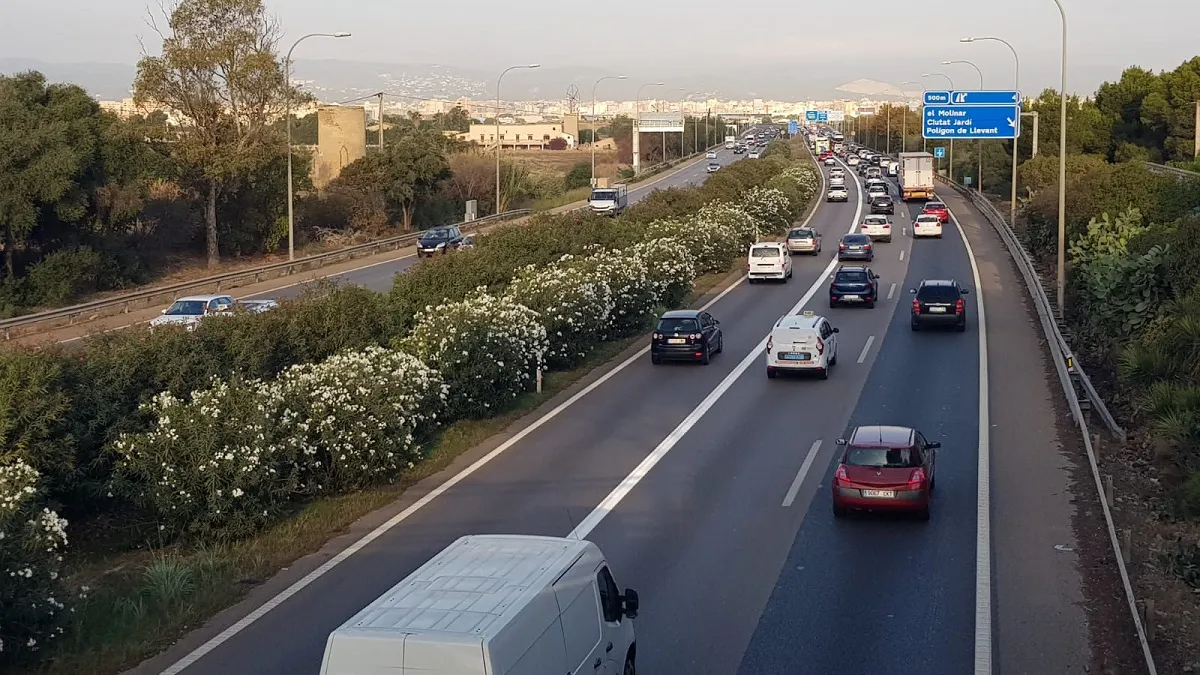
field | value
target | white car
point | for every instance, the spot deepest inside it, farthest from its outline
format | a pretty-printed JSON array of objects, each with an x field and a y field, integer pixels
[
  {"x": 189, "y": 311},
  {"x": 802, "y": 343},
  {"x": 837, "y": 193},
  {"x": 769, "y": 261},
  {"x": 927, "y": 225},
  {"x": 711, "y": 155},
  {"x": 854, "y": 161},
  {"x": 713, "y": 167},
  {"x": 754, "y": 155},
  {"x": 876, "y": 190},
  {"x": 829, "y": 161},
  {"x": 837, "y": 181},
  {"x": 877, "y": 227}
]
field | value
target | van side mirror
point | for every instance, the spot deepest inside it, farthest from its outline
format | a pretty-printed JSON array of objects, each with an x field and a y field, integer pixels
[
  {"x": 933, "y": 445},
  {"x": 630, "y": 603},
  {"x": 840, "y": 441},
  {"x": 837, "y": 330},
  {"x": 912, "y": 291},
  {"x": 965, "y": 290}
]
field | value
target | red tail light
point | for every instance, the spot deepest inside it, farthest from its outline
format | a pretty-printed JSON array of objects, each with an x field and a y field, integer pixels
[
  {"x": 842, "y": 247},
  {"x": 841, "y": 476},
  {"x": 747, "y": 267},
  {"x": 917, "y": 479},
  {"x": 887, "y": 227},
  {"x": 916, "y": 307},
  {"x": 960, "y": 306},
  {"x": 820, "y": 346}
]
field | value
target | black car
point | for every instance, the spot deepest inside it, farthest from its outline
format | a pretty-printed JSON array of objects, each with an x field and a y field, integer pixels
[
  {"x": 686, "y": 335},
  {"x": 437, "y": 240},
  {"x": 856, "y": 247},
  {"x": 854, "y": 284},
  {"x": 939, "y": 302},
  {"x": 883, "y": 204}
]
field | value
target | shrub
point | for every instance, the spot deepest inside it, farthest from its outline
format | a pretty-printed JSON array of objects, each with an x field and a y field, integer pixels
[
  {"x": 487, "y": 348},
  {"x": 665, "y": 204},
  {"x": 33, "y": 409},
  {"x": 633, "y": 295},
  {"x": 712, "y": 244},
  {"x": 32, "y": 541},
  {"x": 770, "y": 208},
  {"x": 574, "y": 306},
  {"x": 671, "y": 268},
  {"x": 67, "y": 275},
  {"x": 579, "y": 176},
  {"x": 724, "y": 214},
  {"x": 806, "y": 178}
]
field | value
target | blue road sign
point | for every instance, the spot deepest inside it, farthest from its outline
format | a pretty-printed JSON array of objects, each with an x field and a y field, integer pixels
[
  {"x": 972, "y": 121},
  {"x": 939, "y": 152},
  {"x": 810, "y": 115},
  {"x": 822, "y": 115},
  {"x": 793, "y": 127},
  {"x": 985, "y": 97},
  {"x": 937, "y": 97}
]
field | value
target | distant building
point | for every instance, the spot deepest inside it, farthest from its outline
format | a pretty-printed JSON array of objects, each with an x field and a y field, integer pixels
[
  {"x": 519, "y": 136},
  {"x": 341, "y": 139}
]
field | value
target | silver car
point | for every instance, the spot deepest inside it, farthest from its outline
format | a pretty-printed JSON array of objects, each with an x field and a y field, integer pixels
[
  {"x": 804, "y": 240},
  {"x": 837, "y": 193}
]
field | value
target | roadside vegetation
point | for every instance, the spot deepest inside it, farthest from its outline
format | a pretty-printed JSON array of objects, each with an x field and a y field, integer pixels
[{"x": 152, "y": 477}]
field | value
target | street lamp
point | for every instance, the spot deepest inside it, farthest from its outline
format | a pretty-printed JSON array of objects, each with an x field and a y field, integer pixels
[
  {"x": 498, "y": 110},
  {"x": 287, "y": 77},
  {"x": 1062, "y": 169},
  {"x": 683, "y": 115},
  {"x": 904, "y": 140},
  {"x": 606, "y": 77},
  {"x": 979, "y": 143},
  {"x": 1012, "y": 215},
  {"x": 951, "y": 151},
  {"x": 637, "y": 124}
]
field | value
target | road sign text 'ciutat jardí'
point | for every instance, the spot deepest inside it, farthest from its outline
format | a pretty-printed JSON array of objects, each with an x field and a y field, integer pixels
[{"x": 972, "y": 115}]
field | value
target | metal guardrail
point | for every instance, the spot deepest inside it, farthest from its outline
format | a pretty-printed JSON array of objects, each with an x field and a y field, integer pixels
[
  {"x": 1171, "y": 170},
  {"x": 123, "y": 304},
  {"x": 1070, "y": 373}
]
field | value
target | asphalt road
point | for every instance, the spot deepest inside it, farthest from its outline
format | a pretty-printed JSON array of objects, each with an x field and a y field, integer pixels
[
  {"x": 379, "y": 277},
  {"x": 729, "y": 539}
]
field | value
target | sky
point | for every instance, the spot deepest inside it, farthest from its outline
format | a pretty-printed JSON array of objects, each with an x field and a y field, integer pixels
[{"x": 865, "y": 39}]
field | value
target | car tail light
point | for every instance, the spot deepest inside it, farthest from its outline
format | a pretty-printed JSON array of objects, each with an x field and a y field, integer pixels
[
  {"x": 917, "y": 479},
  {"x": 960, "y": 306},
  {"x": 916, "y": 307},
  {"x": 747, "y": 267},
  {"x": 841, "y": 476},
  {"x": 887, "y": 227},
  {"x": 841, "y": 247},
  {"x": 820, "y": 346}
]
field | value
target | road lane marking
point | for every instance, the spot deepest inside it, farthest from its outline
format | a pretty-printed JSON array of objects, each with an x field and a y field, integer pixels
[
  {"x": 983, "y": 500},
  {"x": 891, "y": 291},
  {"x": 901, "y": 254},
  {"x": 618, "y": 494},
  {"x": 866, "y": 348},
  {"x": 299, "y": 585},
  {"x": 808, "y": 462}
]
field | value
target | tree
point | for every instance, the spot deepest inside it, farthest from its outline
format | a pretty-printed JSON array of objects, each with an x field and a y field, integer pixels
[
  {"x": 219, "y": 69},
  {"x": 403, "y": 174}
]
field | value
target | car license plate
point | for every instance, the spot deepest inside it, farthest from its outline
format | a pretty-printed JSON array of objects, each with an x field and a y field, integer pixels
[
  {"x": 855, "y": 248},
  {"x": 852, "y": 297},
  {"x": 795, "y": 356},
  {"x": 937, "y": 310},
  {"x": 676, "y": 341},
  {"x": 880, "y": 494}
]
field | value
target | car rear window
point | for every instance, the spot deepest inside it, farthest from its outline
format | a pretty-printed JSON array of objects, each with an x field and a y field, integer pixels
[
  {"x": 764, "y": 252},
  {"x": 800, "y": 234},
  {"x": 877, "y": 220},
  {"x": 670, "y": 325},
  {"x": 883, "y": 458},
  {"x": 935, "y": 205},
  {"x": 937, "y": 294},
  {"x": 856, "y": 239},
  {"x": 883, "y": 198},
  {"x": 851, "y": 277},
  {"x": 926, "y": 218}
]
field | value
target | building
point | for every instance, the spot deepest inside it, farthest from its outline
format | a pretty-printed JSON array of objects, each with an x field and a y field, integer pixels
[
  {"x": 341, "y": 139},
  {"x": 520, "y": 136}
]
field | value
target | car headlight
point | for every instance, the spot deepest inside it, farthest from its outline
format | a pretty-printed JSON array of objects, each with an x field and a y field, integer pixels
[{"x": 441, "y": 245}]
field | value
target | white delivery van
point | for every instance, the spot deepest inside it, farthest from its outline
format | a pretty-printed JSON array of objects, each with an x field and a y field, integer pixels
[
  {"x": 802, "y": 343},
  {"x": 495, "y": 605},
  {"x": 769, "y": 260}
]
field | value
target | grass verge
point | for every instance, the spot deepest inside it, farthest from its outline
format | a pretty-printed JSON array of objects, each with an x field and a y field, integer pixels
[{"x": 139, "y": 603}]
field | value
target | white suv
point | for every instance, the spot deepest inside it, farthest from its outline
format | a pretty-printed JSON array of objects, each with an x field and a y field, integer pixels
[
  {"x": 837, "y": 193},
  {"x": 878, "y": 228},
  {"x": 802, "y": 343},
  {"x": 927, "y": 225}
]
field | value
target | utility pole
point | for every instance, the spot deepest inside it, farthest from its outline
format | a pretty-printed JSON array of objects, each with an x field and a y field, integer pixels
[
  {"x": 380, "y": 117},
  {"x": 1197, "y": 129}
]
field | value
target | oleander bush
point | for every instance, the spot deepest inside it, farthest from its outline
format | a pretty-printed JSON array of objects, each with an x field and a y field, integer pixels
[
  {"x": 33, "y": 599},
  {"x": 771, "y": 208},
  {"x": 670, "y": 267},
  {"x": 712, "y": 243},
  {"x": 574, "y": 304},
  {"x": 634, "y": 299},
  {"x": 724, "y": 214}
]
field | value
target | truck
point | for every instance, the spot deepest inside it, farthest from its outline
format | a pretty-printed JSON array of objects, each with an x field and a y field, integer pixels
[
  {"x": 730, "y": 141},
  {"x": 916, "y": 175},
  {"x": 608, "y": 200},
  {"x": 189, "y": 311},
  {"x": 822, "y": 145}
]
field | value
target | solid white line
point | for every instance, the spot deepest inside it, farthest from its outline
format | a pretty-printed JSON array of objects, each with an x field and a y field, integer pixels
[
  {"x": 902, "y": 254},
  {"x": 983, "y": 501},
  {"x": 639, "y": 472},
  {"x": 808, "y": 461},
  {"x": 433, "y": 494},
  {"x": 862, "y": 356},
  {"x": 892, "y": 291}
]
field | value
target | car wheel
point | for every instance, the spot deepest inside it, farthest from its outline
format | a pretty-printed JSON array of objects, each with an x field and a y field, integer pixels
[
  {"x": 707, "y": 358},
  {"x": 871, "y": 303},
  {"x": 962, "y": 327},
  {"x": 839, "y": 511},
  {"x": 656, "y": 359},
  {"x": 833, "y": 304},
  {"x": 824, "y": 374},
  {"x": 833, "y": 359},
  {"x": 916, "y": 325},
  {"x": 630, "y": 668},
  {"x": 924, "y": 513}
]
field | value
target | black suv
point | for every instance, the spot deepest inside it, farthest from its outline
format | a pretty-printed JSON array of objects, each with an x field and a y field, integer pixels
[
  {"x": 686, "y": 335},
  {"x": 437, "y": 240},
  {"x": 854, "y": 284},
  {"x": 883, "y": 204},
  {"x": 939, "y": 302}
]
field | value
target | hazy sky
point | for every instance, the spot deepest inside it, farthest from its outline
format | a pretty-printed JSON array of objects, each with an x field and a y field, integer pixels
[{"x": 645, "y": 38}]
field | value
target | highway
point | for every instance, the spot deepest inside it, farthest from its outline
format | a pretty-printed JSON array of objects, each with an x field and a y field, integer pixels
[{"x": 378, "y": 277}]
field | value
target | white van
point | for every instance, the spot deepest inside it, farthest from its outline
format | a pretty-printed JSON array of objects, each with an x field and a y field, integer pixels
[
  {"x": 495, "y": 605},
  {"x": 769, "y": 260},
  {"x": 802, "y": 343}
]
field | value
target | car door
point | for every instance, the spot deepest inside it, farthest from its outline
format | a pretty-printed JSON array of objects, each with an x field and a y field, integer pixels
[
  {"x": 615, "y": 628},
  {"x": 928, "y": 454},
  {"x": 787, "y": 261},
  {"x": 712, "y": 328},
  {"x": 829, "y": 337}
]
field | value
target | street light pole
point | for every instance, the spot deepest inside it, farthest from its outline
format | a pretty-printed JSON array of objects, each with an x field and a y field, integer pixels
[
  {"x": 498, "y": 110},
  {"x": 287, "y": 82},
  {"x": 606, "y": 77},
  {"x": 683, "y": 116},
  {"x": 904, "y": 141},
  {"x": 1062, "y": 170},
  {"x": 951, "y": 151},
  {"x": 1012, "y": 210},
  {"x": 978, "y": 143},
  {"x": 637, "y": 125}
]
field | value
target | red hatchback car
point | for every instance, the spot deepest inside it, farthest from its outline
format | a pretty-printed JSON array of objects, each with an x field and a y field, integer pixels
[
  {"x": 938, "y": 209},
  {"x": 884, "y": 468}
]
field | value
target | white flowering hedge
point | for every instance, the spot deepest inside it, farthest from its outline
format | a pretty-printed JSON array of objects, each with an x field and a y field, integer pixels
[
  {"x": 769, "y": 207},
  {"x": 741, "y": 223},
  {"x": 805, "y": 178},
  {"x": 634, "y": 299},
  {"x": 711, "y": 242},
  {"x": 671, "y": 268},
  {"x": 229, "y": 459},
  {"x": 574, "y": 304},
  {"x": 32, "y": 541},
  {"x": 487, "y": 348}
]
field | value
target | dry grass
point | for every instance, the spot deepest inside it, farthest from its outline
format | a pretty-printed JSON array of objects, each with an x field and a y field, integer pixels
[
  {"x": 142, "y": 602},
  {"x": 561, "y": 161}
]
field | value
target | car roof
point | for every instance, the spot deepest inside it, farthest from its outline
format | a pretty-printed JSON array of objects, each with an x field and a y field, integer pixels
[
  {"x": 798, "y": 321},
  {"x": 935, "y": 203},
  {"x": 938, "y": 282},
  {"x": 681, "y": 314},
  {"x": 201, "y": 298},
  {"x": 926, "y": 216},
  {"x": 853, "y": 268},
  {"x": 880, "y": 435},
  {"x": 874, "y": 216},
  {"x": 853, "y": 234}
]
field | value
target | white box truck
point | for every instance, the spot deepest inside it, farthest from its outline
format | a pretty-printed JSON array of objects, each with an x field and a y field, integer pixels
[
  {"x": 916, "y": 175},
  {"x": 608, "y": 200},
  {"x": 495, "y": 605},
  {"x": 730, "y": 141}
]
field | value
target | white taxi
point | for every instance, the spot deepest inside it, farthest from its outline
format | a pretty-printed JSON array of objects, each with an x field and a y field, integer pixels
[
  {"x": 769, "y": 260},
  {"x": 927, "y": 225},
  {"x": 710, "y": 155},
  {"x": 801, "y": 343},
  {"x": 877, "y": 227}
]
